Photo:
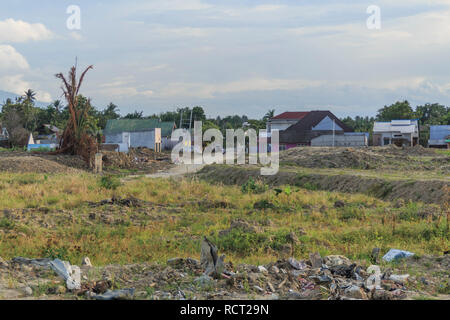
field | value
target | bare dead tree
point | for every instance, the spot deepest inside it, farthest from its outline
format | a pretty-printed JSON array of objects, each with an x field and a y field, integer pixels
[{"x": 76, "y": 138}]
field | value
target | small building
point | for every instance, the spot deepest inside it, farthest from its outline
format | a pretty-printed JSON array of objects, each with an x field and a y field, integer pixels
[
  {"x": 348, "y": 139},
  {"x": 135, "y": 133},
  {"x": 439, "y": 135},
  {"x": 398, "y": 132},
  {"x": 48, "y": 138},
  {"x": 311, "y": 125}
]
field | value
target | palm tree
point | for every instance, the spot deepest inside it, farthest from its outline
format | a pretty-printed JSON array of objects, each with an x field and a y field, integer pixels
[
  {"x": 269, "y": 115},
  {"x": 30, "y": 95}
]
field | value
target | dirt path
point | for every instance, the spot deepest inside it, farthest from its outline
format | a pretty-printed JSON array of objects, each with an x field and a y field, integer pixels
[{"x": 175, "y": 172}]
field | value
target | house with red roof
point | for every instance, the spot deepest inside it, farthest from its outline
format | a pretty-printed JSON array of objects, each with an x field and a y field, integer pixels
[{"x": 299, "y": 128}]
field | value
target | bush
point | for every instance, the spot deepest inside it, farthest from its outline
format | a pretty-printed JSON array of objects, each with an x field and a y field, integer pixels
[
  {"x": 252, "y": 186},
  {"x": 109, "y": 182}
]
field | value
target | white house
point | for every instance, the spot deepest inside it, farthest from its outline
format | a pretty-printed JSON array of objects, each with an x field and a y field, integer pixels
[
  {"x": 285, "y": 120},
  {"x": 398, "y": 132}
]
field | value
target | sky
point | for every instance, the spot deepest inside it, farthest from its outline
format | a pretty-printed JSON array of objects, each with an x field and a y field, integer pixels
[{"x": 229, "y": 56}]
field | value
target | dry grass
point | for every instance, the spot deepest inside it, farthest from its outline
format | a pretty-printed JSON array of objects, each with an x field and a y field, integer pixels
[{"x": 186, "y": 210}]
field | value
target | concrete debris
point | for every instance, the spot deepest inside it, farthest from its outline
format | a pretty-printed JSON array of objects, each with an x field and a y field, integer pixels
[
  {"x": 28, "y": 291},
  {"x": 210, "y": 261},
  {"x": 33, "y": 262},
  {"x": 395, "y": 254},
  {"x": 299, "y": 265},
  {"x": 204, "y": 281},
  {"x": 401, "y": 279},
  {"x": 262, "y": 269},
  {"x": 288, "y": 279},
  {"x": 335, "y": 260},
  {"x": 316, "y": 260},
  {"x": 71, "y": 274},
  {"x": 86, "y": 262}
]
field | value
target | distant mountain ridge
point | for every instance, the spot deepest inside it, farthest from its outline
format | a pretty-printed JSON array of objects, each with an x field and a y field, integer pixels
[{"x": 4, "y": 95}]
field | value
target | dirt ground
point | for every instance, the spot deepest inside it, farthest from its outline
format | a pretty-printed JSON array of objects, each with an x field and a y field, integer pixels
[
  {"x": 372, "y": 158},
  {"x": 140, "y": 160}
]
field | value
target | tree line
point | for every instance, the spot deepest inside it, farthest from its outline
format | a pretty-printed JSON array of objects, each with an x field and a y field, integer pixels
[{"x": 21, "y": 117}]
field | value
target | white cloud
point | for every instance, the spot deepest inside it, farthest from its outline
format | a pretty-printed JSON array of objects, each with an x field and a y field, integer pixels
[
  {"x": 76, "y": 36},
  {"x": 268, "y": 7},
  {"x": 10, "y": 59},
  {"x": 20, "y": 31}
]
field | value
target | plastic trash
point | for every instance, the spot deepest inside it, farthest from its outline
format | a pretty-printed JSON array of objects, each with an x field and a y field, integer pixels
[
  {"x": 395, "y": 254},
  {"x": 71, "y": 274},
  {"x": 123, "y": 294}
]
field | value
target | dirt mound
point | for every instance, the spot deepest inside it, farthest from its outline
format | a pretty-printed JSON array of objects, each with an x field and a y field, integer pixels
[
  {"x": 331, "y": 158},
  {"x": 417, "y": 150},
  {"x": 428, "y": 191},
  {"x": 390, "y": 158},
  {"x": 140, "y": 159},
  {"x": 33, "y": 164}
]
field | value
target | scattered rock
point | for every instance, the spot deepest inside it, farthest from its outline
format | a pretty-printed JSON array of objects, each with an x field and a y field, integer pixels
[
  {"x": 61, "y": 290},
  {"x": 210, "y": 261},
  {"x": 28, "y": 291},
  {"x": 262, "y": 269},
  {"x": 339, "y": 204},
  {"x": 316, "y": 260},
  {"x": 355, "y": 292},
  {"x": 375, "y": 255},
  {"x": 336, "y": 260},
  {"x": 86, "y": 262},
  {"x": 204, "y": 281},
  {"x": 401, "y": 279},
  {"x": 299, "y": 265},
  {"x": 124, "y": 294}
]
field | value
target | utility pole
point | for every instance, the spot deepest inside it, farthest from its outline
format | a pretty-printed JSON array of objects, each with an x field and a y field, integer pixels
[
  {"x": 190, "y": 122},
  {"x": 334, "y": 131}
]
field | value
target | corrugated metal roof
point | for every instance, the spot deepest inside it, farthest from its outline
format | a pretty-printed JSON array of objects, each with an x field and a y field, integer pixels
[
  {"x": 439, "y": 132},
  {"x": 135, "y": 125},
  {"x": 402, "y": 126}
]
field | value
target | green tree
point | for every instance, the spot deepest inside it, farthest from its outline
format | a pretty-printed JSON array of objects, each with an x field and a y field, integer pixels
[
  {"x": 135, "y": 115},
  {"x": 432, "y": 114},
  {"x": 269, "y": 115},
  {"x": 397, "y": 111}
]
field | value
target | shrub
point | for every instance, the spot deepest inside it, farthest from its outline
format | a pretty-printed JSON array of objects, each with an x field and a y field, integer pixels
[
  {"x": 252, "y": 186},
  {"x": 109, "y": 182}
]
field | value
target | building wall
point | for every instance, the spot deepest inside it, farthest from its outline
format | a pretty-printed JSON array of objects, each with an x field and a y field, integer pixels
[
  {"x": 127, "y": 140},
  {"x": 387, "y": 138},
  {"x": 327, "y": 124},
  {"x": 438, "y": 135},
  {"x": 340, "y": 141},
  {"x": 280, "y": 125}
]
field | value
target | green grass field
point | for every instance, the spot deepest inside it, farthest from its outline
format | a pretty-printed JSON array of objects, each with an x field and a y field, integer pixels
[{"x": 50, "y": 216}]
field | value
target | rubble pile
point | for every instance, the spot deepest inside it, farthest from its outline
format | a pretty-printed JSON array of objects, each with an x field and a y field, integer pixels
[
  {"x": 139, "y": 159},
  {"x": 332, "y": 277}
]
